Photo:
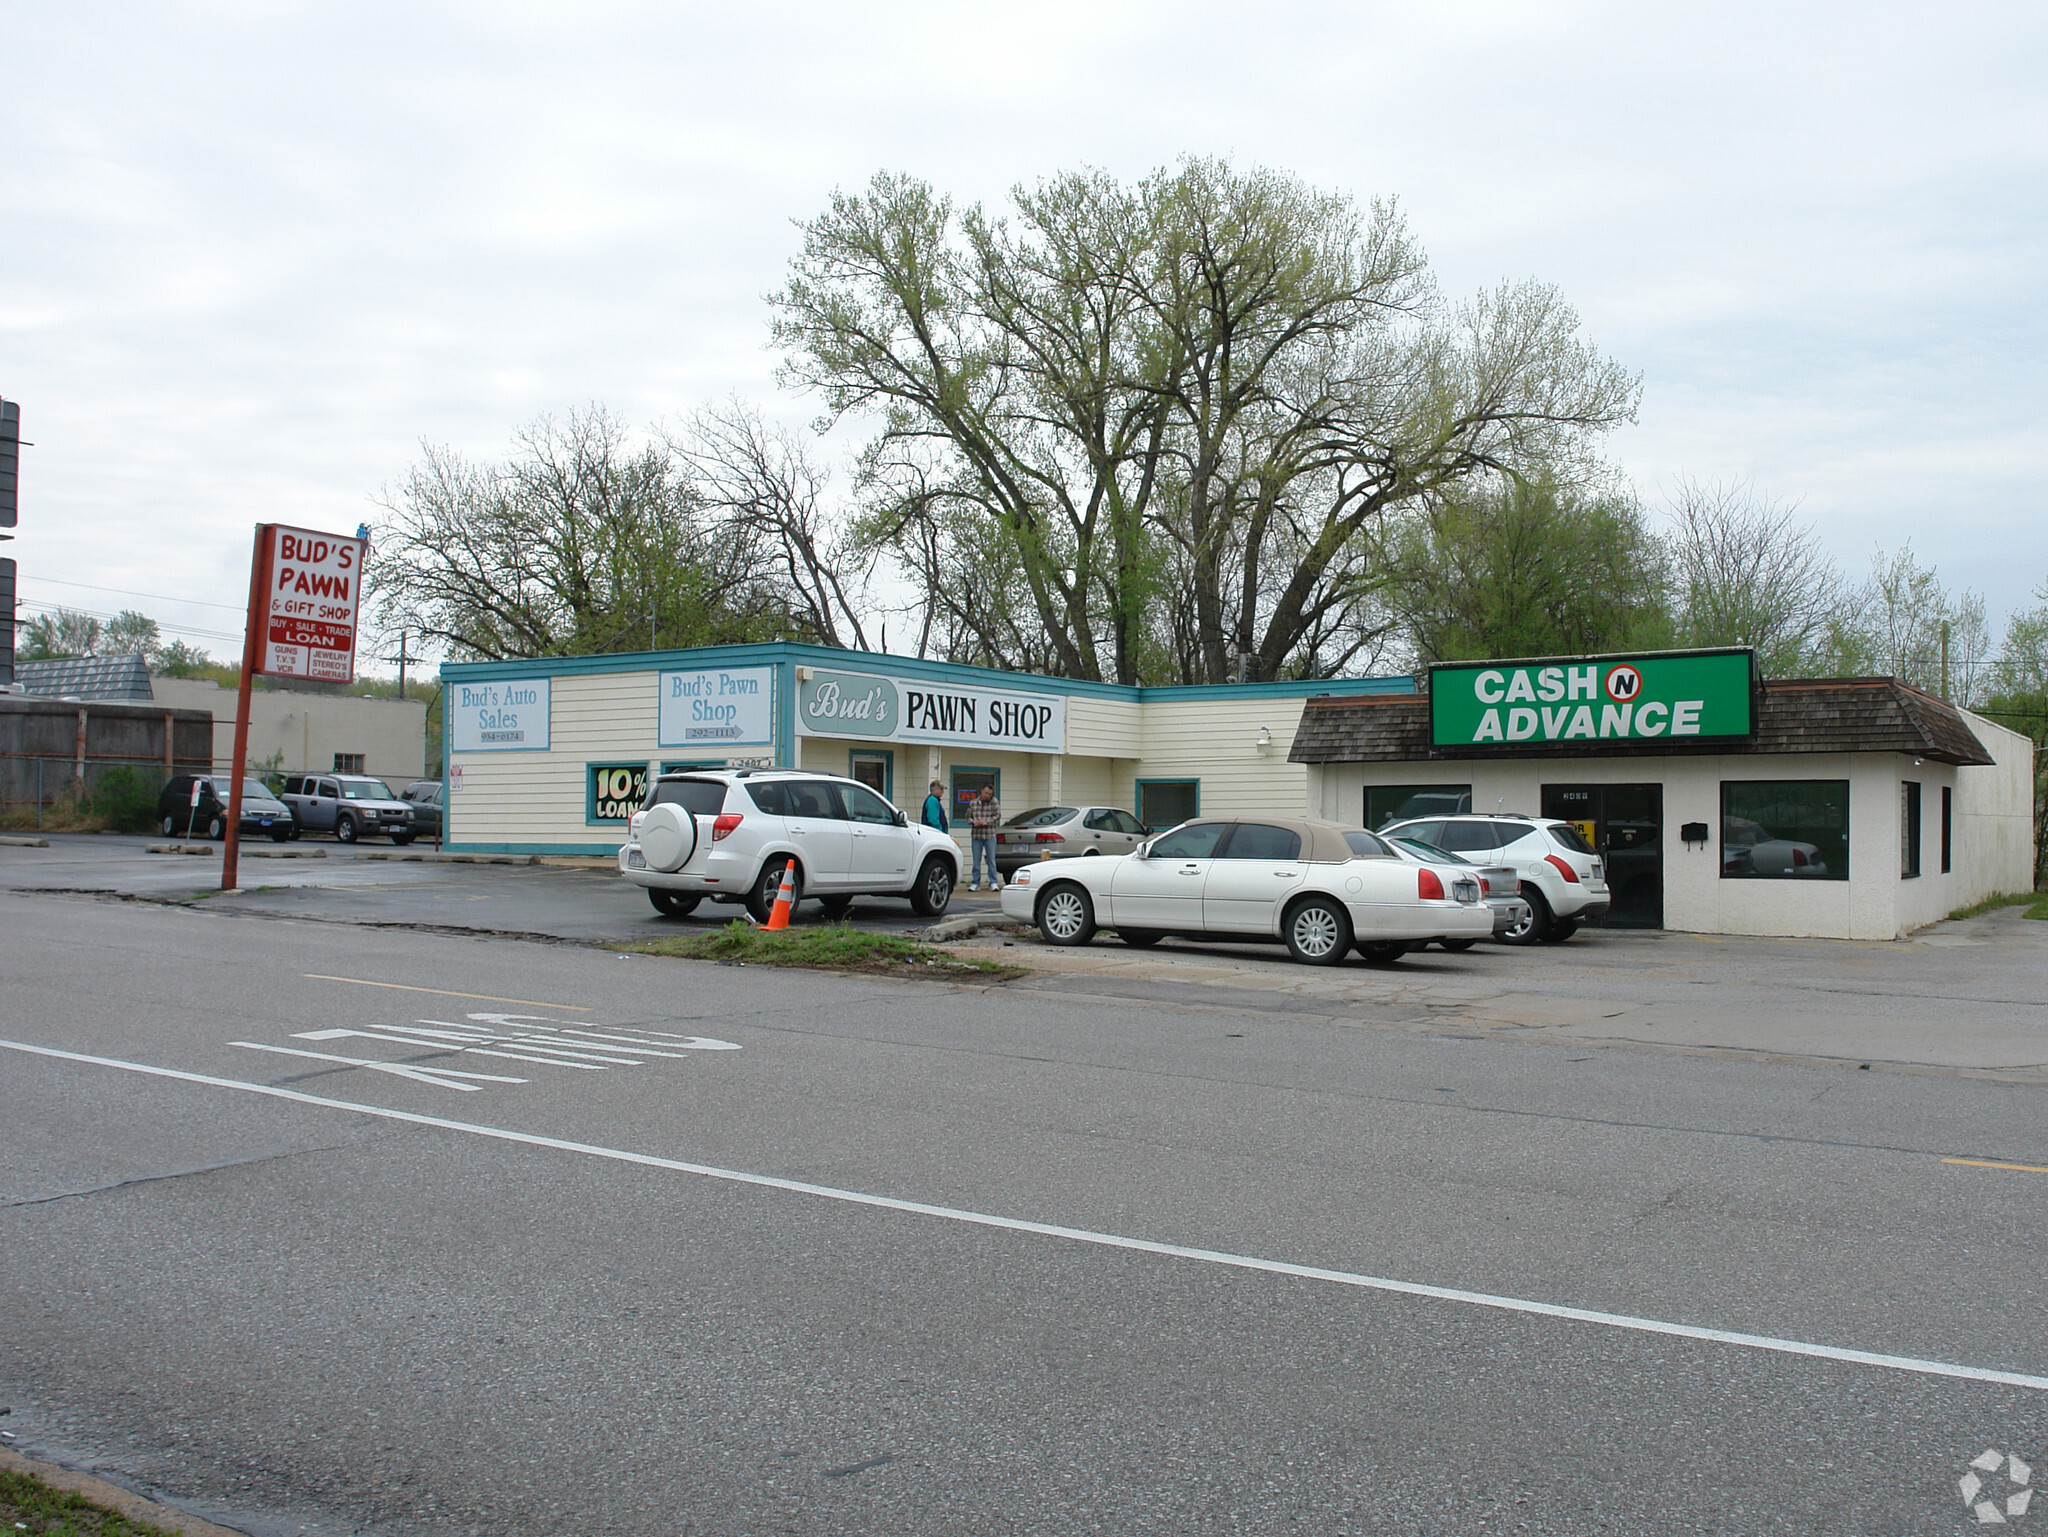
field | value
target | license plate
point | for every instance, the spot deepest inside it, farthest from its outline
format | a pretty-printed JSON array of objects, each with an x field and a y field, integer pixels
[
  {"x": 636, "y": 860},
  {"x": 264, "y": 823}
]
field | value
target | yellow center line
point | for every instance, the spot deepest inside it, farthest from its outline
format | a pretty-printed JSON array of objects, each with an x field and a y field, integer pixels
[
  {"x": 1986, "y": 1163},
  {"x": 580, "y": 1008}
]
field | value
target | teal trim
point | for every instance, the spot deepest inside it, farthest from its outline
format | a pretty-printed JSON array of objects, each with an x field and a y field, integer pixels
[
  {"x": 536, "y": 848},
  {"x": 888, "y": 758},
  {"x": 786, "y": 656}
]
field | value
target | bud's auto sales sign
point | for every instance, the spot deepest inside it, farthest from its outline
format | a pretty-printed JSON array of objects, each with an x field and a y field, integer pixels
[{"x": 313, "y": 591}]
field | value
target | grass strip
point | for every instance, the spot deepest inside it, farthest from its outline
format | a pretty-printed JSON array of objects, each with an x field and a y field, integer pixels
[
  {"x": 27, "y": 1504},
  {"x": 829, "y": 947},
  {"x": 2004, "y": 899},
  {"x": 2039, "y": 909}
]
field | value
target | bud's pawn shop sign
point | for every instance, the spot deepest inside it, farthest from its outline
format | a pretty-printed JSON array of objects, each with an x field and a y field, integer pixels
[
  {"x": 499, "y": 715},
  {"x": 1680, "y": 698},
  {"x": 876, "y": 709},
  {"x": 313, "y": 589},
  {"x": 718, "y": 707}
]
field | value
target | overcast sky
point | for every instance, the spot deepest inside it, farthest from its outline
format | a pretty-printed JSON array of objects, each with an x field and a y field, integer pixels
[{"x": 250, "y": 255}]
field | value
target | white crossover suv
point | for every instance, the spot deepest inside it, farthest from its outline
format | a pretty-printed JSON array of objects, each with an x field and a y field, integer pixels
[
  {"x": 728, "y": 834},
  {"x": 1563, "y": 880}
]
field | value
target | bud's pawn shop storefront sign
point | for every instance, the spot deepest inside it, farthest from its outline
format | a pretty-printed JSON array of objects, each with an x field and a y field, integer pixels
[
  {"x": 877, "y": 709},
  {"x": 1695, "y": 697},
  {"x": 719, "y": 707},
  {"x": 313, "y": 587},
  {"x": 503, "y": 715}
]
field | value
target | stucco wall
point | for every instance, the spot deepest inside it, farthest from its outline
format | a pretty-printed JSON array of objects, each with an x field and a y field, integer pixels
[{"x": 309, "y": 729}]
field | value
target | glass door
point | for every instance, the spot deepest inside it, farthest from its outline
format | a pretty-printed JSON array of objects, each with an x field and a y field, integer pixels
[{"x": 1625, "y": 823}]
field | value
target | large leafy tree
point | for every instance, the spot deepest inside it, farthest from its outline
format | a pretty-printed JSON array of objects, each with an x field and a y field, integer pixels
[{"x": 1147, "y": 433}]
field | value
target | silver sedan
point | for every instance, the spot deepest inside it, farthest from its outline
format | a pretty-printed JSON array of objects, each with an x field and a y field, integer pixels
[{"x": 1064, "y": 832}]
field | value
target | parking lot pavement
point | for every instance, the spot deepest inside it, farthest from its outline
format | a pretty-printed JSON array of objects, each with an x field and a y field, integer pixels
[
  {"x": 581, "y": 900},
  {"x": 395, "y": 1234}
]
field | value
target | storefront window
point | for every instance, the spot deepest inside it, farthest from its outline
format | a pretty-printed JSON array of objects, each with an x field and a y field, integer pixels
[
  {"x": 1168, "y": 802},
  {"x": 1397, "y": 803},
  {"x": 1785, "y": 829},
  {"x": 1909, "y": 828}
]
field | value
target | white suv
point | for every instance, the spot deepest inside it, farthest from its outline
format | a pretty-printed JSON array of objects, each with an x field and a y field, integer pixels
[
  {"x": 727, "y": 834},
  {"x": 1563, "y": 880}
]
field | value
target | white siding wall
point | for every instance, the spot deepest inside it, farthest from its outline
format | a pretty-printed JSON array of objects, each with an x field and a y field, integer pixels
[
  {"x": 530, "y": 799},
  {"x": 1214, "y": 741}
]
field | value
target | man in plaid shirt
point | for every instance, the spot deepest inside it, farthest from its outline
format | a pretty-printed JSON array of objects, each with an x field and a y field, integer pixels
[{"x": 983, "y": 815}]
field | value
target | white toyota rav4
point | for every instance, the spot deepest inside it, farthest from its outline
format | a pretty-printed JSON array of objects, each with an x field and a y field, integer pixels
[
  {"x": 728, "y": 834},
  {"x": 1564, "y": 880}
]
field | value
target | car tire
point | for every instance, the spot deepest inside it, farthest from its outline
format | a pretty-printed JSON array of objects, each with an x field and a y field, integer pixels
[
  {"x": 401, "y": 839},
  {"x": 835, "y": 908},
  {"x": 768, "y": 886},
  {"x": 216, "y": 829},
  {"x": 296, "y": 830},
  {"x": 1140, "y": 939},
  {"x": 1560, "y": 930},
  {"x": 345, "y": 830},
  {"x": 1065, "y": 915},
  {"x": 170, "y": 827},
  {"x": 670, "y": 905},
  {"x": 280, "y": 834},
  {"x": 1383, "y": 952},
  {"x": 1318, "y": 931},
  {"x": 1531, "y": 930},
  {"x": 933, "y": 889},
  {"x": 1458, "y": 945}
]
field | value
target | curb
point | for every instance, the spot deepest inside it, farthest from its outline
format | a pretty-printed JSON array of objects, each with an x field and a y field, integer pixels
[
  {"x": 134, "y": 1506},
  {"x": 177, "y": 848},
  {"x": 25, "y": 843},
  {"x": 453, "y": 859},
  {"x": 284, "y": 853}
]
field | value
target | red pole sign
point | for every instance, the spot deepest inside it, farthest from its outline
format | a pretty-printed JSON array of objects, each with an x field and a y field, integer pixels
[{"x": 305, "y": 595}]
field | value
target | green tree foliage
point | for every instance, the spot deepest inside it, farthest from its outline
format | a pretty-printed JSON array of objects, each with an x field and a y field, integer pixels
[
  {"x": 1528, "y": 569},
  {"x": 579, "y": 542},
  {"x": 63, "y": 632},
  {"x": 1903, "y": 623},
  {"x": 1147, "y": 433}
]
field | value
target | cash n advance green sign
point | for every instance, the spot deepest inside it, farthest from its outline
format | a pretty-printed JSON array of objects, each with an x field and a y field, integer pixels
[{"x": 1680, "y": 697}]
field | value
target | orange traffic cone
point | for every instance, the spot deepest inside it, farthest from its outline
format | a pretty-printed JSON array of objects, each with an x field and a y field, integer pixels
[{"x": 778, "y": 917}]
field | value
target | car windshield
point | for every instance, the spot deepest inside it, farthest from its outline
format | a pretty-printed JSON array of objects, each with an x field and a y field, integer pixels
[
  {"x": 256, "y": 790},
  {"x": 1431, "y": 851},
  {"x": 1044, "y": 816},
  {"x": 365, "y": 790},
  {"x": 1566, "y": 836}
]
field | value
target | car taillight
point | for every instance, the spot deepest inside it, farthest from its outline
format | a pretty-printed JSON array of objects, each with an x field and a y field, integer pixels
[
  {"x": 725, "y": 824},
  {"x": 1563, "y": 869},
  {"x": 1428, "y": 887},
  {"x": 1052, "y": 838},
  {"x": 1485, "y": 887},
  {"x": 1799, "y": 856}
]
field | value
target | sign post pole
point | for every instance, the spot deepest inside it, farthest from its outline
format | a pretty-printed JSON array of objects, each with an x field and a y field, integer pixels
[{"x": 252, "y": 653}]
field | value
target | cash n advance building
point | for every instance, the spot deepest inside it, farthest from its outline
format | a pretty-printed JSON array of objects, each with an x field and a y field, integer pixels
[
  {"x": 553, "y": 756},
  {"x": 1850, "y": 808}
]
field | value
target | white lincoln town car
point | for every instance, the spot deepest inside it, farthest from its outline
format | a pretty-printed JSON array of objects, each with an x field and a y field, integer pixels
[{"x": 1316, "y": 886}]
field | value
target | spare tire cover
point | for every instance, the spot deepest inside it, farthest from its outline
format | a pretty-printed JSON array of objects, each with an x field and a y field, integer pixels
[{"x": 668, "y": 837}]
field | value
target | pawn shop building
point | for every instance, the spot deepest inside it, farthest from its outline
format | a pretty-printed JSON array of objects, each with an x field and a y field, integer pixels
[{"x": 1849, "y": 808}]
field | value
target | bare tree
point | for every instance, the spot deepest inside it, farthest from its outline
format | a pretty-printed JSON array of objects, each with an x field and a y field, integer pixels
[
  {"x": 1747, "y": 574},
  {"x": 1902, "y": 622}
]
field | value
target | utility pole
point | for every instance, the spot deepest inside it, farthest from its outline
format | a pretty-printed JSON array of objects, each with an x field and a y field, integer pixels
[
  {"x": 1944, "y": 659},
  {"x": 401, "y": 664}
]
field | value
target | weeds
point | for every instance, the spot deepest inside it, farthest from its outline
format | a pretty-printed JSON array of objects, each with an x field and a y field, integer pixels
[{"x": 29, "y": 1505}]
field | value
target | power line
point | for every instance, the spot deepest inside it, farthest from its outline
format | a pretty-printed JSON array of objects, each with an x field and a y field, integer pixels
[
  {"x": 170, "y": 629},
  {"x": 233, "y": 608}
]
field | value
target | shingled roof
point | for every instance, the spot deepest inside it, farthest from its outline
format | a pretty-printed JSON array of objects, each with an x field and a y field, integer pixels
[{"x": 1795, "y": 715}]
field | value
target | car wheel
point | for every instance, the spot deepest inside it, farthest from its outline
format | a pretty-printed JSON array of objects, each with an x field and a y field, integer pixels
[
  {"x": 401, "y": 839},
  {"x": 1529, "y": 930},
  {"x": 295, "y": 832},
  {"x": 669, "y": 904},
  {"x": 1140, "y": 939},
  {"x": 761, "y": 900},
  {"x": 1318, "y": 932},
  {"x": 216, "y": 829},
  {"x": 345, "y": 830},
  {"x": 1457, "y": 944},
  {"x": 835, "y": 908},
  {"x": 170, "y": 827},
  {"x": 1560, "y": 931},
  {"x": 1065, "y": 915},
  {"x": 1383, "y": 952},
  {"x": 280, "y": 834},
  {"x": 934, "y": 888}
]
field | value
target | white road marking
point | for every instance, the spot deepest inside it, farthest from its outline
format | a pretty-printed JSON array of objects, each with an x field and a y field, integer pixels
[
  {"x": 1084, "y": 1235},
  {"x": 446, "y": 1042},
  {"x": 439, "y": 1075}
]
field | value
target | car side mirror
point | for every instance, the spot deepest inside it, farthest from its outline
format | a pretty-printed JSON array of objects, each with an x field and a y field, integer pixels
[
  {"x": 1142, "y": 851},
  {"x": 902, "y": 818}
]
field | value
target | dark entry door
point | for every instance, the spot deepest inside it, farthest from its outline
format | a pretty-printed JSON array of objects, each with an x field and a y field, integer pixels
[{"x": 1626, "y": 824}]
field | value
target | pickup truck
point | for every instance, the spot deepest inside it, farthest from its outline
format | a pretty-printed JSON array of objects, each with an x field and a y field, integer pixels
[{"x": 350, "y": 806}]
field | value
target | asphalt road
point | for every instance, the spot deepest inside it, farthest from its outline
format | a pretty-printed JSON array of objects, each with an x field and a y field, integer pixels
[{"x": 631, "y": 1246}]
